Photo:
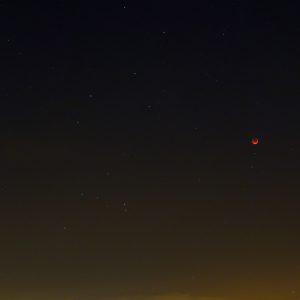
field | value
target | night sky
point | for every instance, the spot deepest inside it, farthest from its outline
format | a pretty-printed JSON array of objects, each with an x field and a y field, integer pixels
[{"x": 126, "y": 164}]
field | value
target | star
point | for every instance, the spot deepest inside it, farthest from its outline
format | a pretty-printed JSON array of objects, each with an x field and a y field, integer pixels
[{"x": 125, "y": 207}]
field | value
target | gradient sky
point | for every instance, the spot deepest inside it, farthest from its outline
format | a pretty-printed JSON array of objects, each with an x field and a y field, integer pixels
[{"x": 127, "y": 169}]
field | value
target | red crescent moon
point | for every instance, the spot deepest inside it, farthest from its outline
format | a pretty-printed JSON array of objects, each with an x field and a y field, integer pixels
[{"x": 254, "y": 141}]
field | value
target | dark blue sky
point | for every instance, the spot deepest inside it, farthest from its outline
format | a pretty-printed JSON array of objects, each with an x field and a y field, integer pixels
[{"x": 127, "y": 168}]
